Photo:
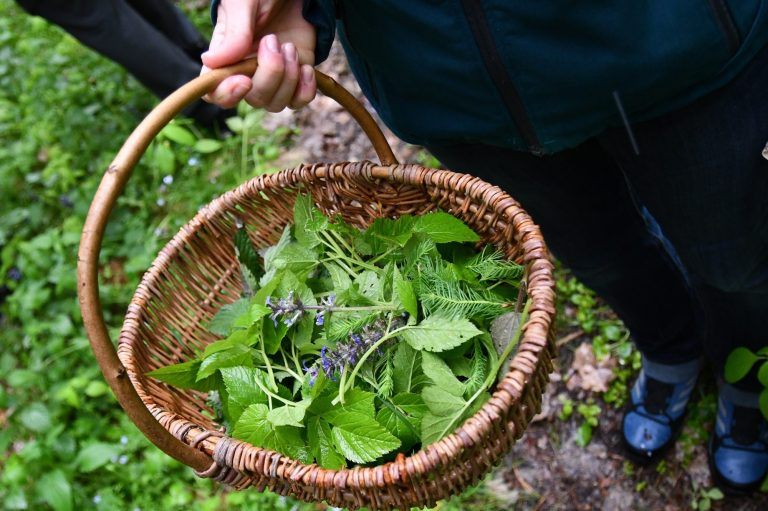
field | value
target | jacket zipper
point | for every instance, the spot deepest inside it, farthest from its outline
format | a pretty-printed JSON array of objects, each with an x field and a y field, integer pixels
[
  {"x": 728, "y": 27},
  {"x": 478, "y": 24}
]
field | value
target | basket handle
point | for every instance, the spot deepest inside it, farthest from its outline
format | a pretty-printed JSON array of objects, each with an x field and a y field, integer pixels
[{"x": 103, "y": 202}]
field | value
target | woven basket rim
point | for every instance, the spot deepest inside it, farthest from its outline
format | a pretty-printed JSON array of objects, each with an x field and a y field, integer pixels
[{"x": 507, "y": 392}]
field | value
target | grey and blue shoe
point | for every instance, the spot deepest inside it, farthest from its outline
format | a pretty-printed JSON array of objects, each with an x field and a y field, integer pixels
[
  {"x": 654, "y": 416},
  {"x": 738, "y": 449}
]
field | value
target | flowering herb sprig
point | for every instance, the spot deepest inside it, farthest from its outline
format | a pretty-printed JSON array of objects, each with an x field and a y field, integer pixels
[{"x": 348, "y": 345}]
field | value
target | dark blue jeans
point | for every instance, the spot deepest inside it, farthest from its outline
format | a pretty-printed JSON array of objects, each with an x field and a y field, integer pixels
[{"x": 701, "y": 175}]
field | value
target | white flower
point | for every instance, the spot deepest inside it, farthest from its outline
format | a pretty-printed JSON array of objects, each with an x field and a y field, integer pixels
[
  {"x": 160, "y": 202},
  {"x": 168, "y": 180},
  {"x": 124, "y": 440},
  {"x": 96, "y": 498}
]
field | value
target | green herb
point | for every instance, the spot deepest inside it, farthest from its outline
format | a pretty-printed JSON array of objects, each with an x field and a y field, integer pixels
[{"x": 349, "y": 346}]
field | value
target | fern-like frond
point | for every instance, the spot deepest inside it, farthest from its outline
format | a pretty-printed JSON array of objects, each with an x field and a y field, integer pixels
[
  {"x": 386, "y": 376},
  {"x": 478, "y": 371},
  {"x": 341, "y": 324},
  {"x": 444, "y": 294},
  {"x": 490, "y": 264}
]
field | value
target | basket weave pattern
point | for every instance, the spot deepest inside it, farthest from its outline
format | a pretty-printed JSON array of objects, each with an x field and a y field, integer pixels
[{"x": 197, "y": 272}]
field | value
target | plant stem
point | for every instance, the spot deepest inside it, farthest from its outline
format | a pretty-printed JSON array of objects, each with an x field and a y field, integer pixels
[
  {"x": 362, "y": 360},
  {"x": 271, "y": 394}
]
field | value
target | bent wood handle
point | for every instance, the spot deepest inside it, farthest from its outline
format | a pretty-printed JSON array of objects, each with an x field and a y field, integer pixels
[{"x": 104, "y": 200}]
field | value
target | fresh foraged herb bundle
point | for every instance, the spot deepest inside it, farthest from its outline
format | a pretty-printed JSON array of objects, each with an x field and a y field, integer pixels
[{"x": 355, "y": 346}]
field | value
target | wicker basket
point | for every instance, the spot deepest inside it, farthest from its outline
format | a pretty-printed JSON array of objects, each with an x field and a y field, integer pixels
[{"x": 197, "y": 272}]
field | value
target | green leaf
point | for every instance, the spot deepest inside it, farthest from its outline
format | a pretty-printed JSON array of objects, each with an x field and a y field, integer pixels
[
  {"x": 715, "y": 494},
  {"x": 405, "y": 294},
  {"x": 95, "y": 455},
  {"x": 441, "y": 375},
  {"x": 478, "y": 371},
  {"x": 436, "y": 333},
  {"x": 223, "y": 321},
  {"x": 339, "y": 325},
  {"x": 237, "y": 355},
  {"x": 178, "y": 134},
  {"x": 442, "y": 293},
  {"x": 407, "y": 369},
  {"x": 254, "y": 428},
  {"x": 207, "y": 145},
  {"x": 182, "y": 375},
  {"x": 385, "y": 233},
  {"x": 296, "y": 258},
  {"x": 738, "y": 364},
  {"x": 54, "y": 488},
  {"x": 289, "y": 415},
  {"x": 321, "y": 444},
  {"x": 163, "y": 158},
  {"x": 442, "y": 227},
  {"x": 369, "y": 285},
  {"x": 441, "y": 402},
  {"x": 405, "y": 421},
  {"x": 247, "y": 254},
  {"x": 361, "y": 439},
  {"x": 339, "y": 277},
  {"x": 763, "y": 402},
  {"x": 434, "y": 427},
  {"x": 242, "y": 389},
  {"x": 490, "y": 264},
  {"x": 36, "y": 417},
  {"x": 762, "y": 374},
  {"x": 386, "y": 376},
  {"x": 355, "y": 401},
  {"x": 308, "y": 221},
  {"x": 583, "y": 434}
]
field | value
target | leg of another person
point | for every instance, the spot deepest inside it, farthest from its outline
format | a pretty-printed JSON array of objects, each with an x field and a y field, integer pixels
[
  {"x": 702, "y": 175},
  {"x": 114, "y": 29}
]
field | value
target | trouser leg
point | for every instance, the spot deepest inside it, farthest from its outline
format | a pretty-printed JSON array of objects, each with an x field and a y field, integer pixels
[
  {"x": 701, "y": 174},
  {"x": 168, "y": 19},
  {"x": 581, "y": 201},
  {"x": 117, "y": 31}
]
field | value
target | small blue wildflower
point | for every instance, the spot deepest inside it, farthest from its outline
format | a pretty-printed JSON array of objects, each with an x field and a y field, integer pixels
[
  {"x": 122, "y": 459},
  {"x": 96, "y": 498},
  {"x": 124, "y": 440},
  {"x": 168, "y": 180}
]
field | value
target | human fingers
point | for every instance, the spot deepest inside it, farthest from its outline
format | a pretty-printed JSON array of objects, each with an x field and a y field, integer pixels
[
  {"x": 285, "y": 91},
  {"x": 233, "y": 36},
  {"x": 269, "y": 74},
  {"x": 230, "y": 91},
  {"x": 307, "y": 88}
]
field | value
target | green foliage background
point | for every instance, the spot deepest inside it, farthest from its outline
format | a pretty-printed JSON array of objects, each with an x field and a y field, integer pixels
[{"x": 65, "y": 443}]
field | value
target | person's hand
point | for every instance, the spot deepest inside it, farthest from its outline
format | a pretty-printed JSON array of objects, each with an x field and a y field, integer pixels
[{"x": 284, "y": 44}]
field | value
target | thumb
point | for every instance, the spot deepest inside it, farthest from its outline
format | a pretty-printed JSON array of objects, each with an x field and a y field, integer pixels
[{"x": 233, "y": 35}]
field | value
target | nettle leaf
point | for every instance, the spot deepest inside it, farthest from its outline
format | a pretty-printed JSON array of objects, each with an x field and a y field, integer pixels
[
  {"x": 296, "y": 258},
  {"x": 385, "y": 233},
  {"x": 236, "y": 355},
  {"x": 402, "y": 417},
  {"x": 442, "y": 227},
  {"x": 360, "y": 438},
  {"x": 406, "y": 369},
  {"x": 321, "y": 444},
  {"x": 273, "y": 252},
  {"x": 242, "y": 389},
  {"x": 738, "y": 364},
  {"x": 256, "y": 313},
  {"x": 222, "y": 323},
  {"x": 441, "y": 375},
  {"x": 289, "y": 415},
  {"x": 339, "y": 277},
  {"x": 355, "y": 401},
  {"x": 405, "y": 294},
  {"x": 254, "y": 428},
  {"x": 308, "y": 221},
  {"x": 437, "y": 333},
  {"x": 182, "y": 375},
  {"x": 369, "y": 285},
  {"x": 444, "y": 414}
]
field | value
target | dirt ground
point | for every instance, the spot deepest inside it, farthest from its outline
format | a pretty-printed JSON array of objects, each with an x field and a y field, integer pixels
[{"x": 546, "y": 469}]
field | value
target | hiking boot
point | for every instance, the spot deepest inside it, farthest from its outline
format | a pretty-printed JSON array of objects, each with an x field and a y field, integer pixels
[
  {"x": 738, "y": 448},
  {"x": 654, "y": 416}
]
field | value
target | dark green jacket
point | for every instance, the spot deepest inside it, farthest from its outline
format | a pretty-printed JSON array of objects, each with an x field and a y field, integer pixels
[{"x": 537, "y": 75}]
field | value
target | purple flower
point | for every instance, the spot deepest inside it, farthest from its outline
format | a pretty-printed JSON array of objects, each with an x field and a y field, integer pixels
[{"x": 290, "y": 308}]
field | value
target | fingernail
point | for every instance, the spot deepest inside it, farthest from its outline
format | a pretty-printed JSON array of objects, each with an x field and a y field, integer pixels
[
  {"x": 307, "y": 74},
  {"x": 290, "y": 52},
  {"x": 271, "y": 42},
  {"x": 240, "y": 90}
]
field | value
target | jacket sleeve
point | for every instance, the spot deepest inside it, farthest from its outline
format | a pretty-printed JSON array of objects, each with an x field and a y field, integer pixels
[{"x": 320, "y": 13}]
